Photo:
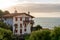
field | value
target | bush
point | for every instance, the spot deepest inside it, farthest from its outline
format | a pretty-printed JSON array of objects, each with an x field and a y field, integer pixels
[
  {"x": 40, "y": 35},
  {"x": 5, "y": 34},
  {"x": 26, "y": 37},
  {"x": 4, "y": 25},
  {"x": 55, "y": 34},
  {"x": 46, "y": 34}
]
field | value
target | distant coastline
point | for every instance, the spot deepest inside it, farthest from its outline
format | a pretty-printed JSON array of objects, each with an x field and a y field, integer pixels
[{"x": 47, "y": 22}]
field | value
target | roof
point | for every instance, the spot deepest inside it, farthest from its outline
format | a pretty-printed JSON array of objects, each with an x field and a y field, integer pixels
[{"x": 16, "y": 14}]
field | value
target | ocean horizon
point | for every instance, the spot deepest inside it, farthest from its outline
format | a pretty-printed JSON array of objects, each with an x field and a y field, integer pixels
[{"x": 47, "y": 22}]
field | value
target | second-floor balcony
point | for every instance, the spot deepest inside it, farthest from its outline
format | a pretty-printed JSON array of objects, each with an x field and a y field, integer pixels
[{"x": 28, "y": 21}]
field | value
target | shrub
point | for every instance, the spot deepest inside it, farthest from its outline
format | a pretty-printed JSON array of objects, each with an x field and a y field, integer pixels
[
  {"x": 40, "y": 35},
  {"x": 55, "y": 34},
  {"x": 5, "y": 34}
]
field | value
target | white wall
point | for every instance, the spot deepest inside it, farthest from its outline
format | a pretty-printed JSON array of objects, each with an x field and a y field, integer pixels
[
  {"x": 9, "y": 21},
  {"x": 18, "y": 22}
]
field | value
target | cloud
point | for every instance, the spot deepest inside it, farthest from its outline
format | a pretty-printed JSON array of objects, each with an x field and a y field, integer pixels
[
  {"x": 43, "y": 10},
  {"x": 38, "y": 7}
]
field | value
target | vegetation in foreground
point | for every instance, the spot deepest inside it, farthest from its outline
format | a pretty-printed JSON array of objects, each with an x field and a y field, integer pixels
[
  {"x": 45, "y": 34},
  {"x": 38, "y": 34},
  {"x": 5, "y": 34}
]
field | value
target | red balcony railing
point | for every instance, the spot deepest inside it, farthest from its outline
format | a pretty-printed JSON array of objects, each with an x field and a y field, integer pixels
[{"x": 28, "y": 21}]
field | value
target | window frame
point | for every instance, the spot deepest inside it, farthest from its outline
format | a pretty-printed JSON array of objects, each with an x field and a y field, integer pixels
[{"x": 16, "y": 18}]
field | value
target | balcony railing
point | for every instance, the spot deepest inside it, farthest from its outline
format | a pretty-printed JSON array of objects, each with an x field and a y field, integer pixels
[{"x": 28, "y": 21}]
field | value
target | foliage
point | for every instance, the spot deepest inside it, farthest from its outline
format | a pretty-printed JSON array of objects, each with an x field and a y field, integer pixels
[
  {"x": 26, "y": 37},
  {"x": 5, "y": 34},
  {"x": 55, "y": 34},
  {"x": 46, "y": 34},
  {"x": 6, "y": 12},
  {"x": 37, "y": 27},
  {"x": 3, "y": 13},
  {"x": 4, "y": 25},
  {"x": 40, "y": 35}
]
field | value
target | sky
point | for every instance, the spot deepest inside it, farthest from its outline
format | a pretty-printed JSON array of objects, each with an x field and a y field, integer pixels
[{"x": 37, "y": 8}]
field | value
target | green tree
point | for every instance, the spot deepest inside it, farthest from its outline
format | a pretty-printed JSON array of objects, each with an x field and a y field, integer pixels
[
  {"x": 1, "y": 14},
  {"x": 4, "y": 25},
  {"x": 55, "y": 34},
  {"x": 6, "y": 12},
  {"x": 38, "y": 27},
  {"x": 5, "y": 34},
  {"x": 40, "y": 35}
]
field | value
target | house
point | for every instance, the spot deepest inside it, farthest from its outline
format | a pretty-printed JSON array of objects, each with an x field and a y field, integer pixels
[{"x": 21, "y": 22}]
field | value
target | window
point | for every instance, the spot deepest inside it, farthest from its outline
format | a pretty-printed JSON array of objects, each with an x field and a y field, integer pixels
[
  {"x": 24, "y": 29},
  {"x": 16, "y": 30},
  {"x": 25, "y": 24},
  {"x": 21, "y": 25},
  {"x": 16, "y": 25},
  {"x": 16, "y": 19},
  {"x": 21, "y": 31},
  {"x": 20, "y": 18},
  {"x": 26, "y": 18}
]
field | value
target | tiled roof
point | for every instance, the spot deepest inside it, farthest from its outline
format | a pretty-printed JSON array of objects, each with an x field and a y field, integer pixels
[{"x": 16, "y": 14}]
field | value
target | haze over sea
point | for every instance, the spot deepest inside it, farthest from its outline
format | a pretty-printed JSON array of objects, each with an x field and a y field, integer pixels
[{"x": 47, "y": 22}]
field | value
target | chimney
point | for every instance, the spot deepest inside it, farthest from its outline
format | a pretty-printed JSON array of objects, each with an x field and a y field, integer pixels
[
  {"x": 15, "y": 10},
  {"x": 28, "y": 12}
]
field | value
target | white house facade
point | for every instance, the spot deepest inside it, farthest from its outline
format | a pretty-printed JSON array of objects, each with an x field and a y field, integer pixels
[{"x": 21, "y": 22}]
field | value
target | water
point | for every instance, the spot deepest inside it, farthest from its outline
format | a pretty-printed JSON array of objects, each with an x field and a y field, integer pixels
[{"x": 47, "y": 22}]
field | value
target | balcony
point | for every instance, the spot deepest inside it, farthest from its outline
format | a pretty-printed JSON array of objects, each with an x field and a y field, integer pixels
[{"x": 28, "y": 21}]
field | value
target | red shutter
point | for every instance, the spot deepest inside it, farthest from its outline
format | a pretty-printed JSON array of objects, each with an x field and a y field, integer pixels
[
  {"x": 20, "y": 30},
  {"x": 20, "y": 18},
  {"x": 16, "y": 19},
  {"x": 16, "y": 25},
  {"x": 21, "y": 25},
  {"x": 16, "y": 30},
  {"x": 24, "y": 29},
  {"x": 25, "y": 24}
]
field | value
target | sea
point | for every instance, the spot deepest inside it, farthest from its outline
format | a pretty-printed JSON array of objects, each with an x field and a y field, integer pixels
[{"x": 47, "y": 22}]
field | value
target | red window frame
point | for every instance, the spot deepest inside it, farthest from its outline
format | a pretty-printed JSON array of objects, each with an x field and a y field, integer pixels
[
  {"x": 21, "y": 31},
  {"x": 16, "y": 25},
  {"x": 25, "y": 25},
  {"x": 16, "y": 18},
  {"x": 25, "y": 30},
  {"x": 21, "y": 25},
  {"x": 16, "y": 30},
  {"x": 20, "y": 18}
]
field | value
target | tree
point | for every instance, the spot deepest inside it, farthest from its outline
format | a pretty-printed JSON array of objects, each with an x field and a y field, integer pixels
[
  {"x": 40, "y": 35},
  {"x": 4, "y": 25},
  {"x": 6, "y": 12},
  {"x": 1, "y": 14},
  {"x": 5, "y": 34},
  {"x": 38, "y": 27},
  {"x": 55, "y": 34}
]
